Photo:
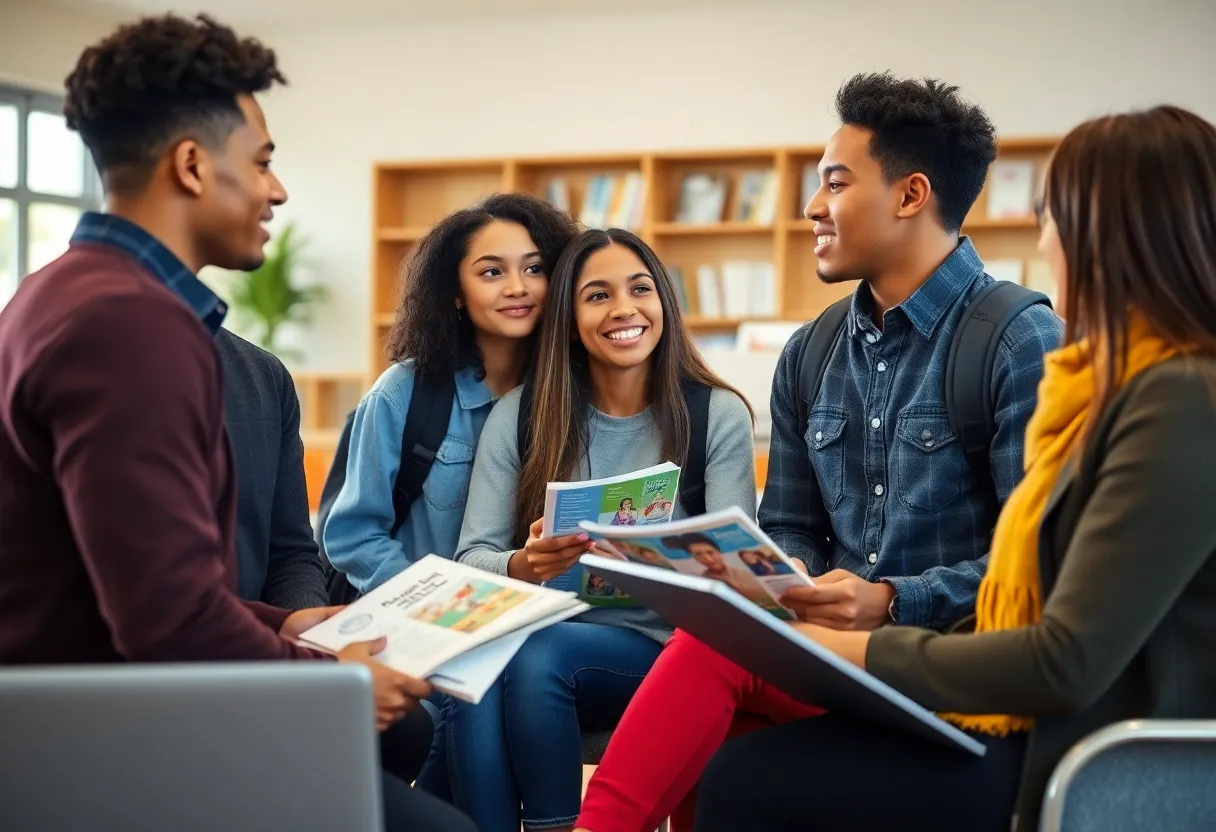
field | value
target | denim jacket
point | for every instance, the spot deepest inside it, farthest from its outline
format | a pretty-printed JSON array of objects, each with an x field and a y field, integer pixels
[
  {"x": 900, "y": 503},
  {"x": 357, "y": 532}
]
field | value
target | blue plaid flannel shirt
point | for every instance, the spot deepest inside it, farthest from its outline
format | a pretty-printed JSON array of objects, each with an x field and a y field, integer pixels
[
  {"x": 151, "y": 253},
  {"x": 899, "y": 501}
]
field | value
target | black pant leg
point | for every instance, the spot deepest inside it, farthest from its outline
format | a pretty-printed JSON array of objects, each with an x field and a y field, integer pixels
[
  {"x": 410, "y": 810},
  {"x": 834, "y": 773},
  {"x": 405, "y": 744}
]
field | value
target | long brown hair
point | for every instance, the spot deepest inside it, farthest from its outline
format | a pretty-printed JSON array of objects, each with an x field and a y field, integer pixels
[
  {"x": 562, "y": 386},
  {"x": 1133, "y": 197}
]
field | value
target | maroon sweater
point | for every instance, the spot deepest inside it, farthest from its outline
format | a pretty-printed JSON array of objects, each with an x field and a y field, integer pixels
[{"x": 117, "y": 496}]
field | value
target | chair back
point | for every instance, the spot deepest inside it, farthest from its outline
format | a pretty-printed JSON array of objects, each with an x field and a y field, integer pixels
[{"x": 1135, "y": 776}]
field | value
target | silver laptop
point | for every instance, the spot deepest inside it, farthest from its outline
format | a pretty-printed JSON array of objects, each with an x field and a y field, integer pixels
[{"x": 241, "y": 747}]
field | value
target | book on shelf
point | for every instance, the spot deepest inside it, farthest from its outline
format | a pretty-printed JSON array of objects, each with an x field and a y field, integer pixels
[
  {"x": 451, "y": 624},
  {"x": 1011, "y": 190},
  {"x": 557, "y": 193},
  {"x": 709, "y": 292},
  {"x": 756, "y": 197},
  {"x": 636, "y": 499},
  {"x": 613, "y": 201},
  {"x": 1038, "y": 278},
  {"x": 737, "y": 289},
  {"x": 724, "y": 546},
  {"x": 810, "y": 185},
  {"x": 702, "y": 199},
  {"x": 677, "y": 279},
  {"x": 1004, "y": 269}
]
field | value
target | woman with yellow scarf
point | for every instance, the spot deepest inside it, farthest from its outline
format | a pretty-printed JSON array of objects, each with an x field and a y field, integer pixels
[{"x": 1099, "y": 603}]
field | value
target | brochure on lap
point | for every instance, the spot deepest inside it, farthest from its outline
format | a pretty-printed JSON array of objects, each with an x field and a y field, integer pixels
[
  {"x": 451, "y": 624},
  {"x": 726, "y": 546}
]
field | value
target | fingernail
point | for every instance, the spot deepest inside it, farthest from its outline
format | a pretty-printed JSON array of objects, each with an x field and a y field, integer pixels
[{"x": 582, "y": 537}]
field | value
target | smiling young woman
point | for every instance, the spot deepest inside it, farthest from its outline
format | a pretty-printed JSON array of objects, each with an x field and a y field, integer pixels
[{"x": 608, "y": 397}]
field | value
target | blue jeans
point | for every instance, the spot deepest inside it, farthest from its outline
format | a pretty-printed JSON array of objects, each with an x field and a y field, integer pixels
[{"x": 521, "y": 744}]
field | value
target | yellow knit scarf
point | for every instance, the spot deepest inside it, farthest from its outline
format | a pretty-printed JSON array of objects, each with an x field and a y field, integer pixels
[{"x": 1010, "y": 595}]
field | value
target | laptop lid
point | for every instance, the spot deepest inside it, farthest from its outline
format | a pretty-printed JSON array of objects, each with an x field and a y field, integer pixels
[{"x": 236, "y": 747}]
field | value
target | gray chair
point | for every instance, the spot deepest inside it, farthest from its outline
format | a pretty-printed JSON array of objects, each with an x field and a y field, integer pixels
[
  {"x": 595, "y": 744},
  {"x": 1136, "y": 776}
]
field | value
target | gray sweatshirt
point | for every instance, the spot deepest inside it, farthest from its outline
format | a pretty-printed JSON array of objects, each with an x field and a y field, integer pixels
[{"x": 618, "y": 445}]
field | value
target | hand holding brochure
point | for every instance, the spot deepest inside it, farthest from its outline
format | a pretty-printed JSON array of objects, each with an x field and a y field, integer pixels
[
  {"x": 726, "y": 546},
  {"x": 446, "y": 622}
]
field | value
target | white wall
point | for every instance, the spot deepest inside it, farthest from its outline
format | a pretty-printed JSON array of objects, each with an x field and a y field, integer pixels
[
  {"x": 763, "y": 72},
  {"x": 39, "y": 44}
]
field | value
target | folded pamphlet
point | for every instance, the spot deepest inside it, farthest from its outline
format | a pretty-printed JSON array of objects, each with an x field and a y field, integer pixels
[
  {"x": 639, "y": 498},
  {"x": 451, "y": 624},
  {"x": 725, "y": 546}
]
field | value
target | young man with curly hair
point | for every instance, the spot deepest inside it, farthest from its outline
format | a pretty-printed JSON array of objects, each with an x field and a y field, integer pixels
[
  {"x": 118, "y": 502},
  {"x": 899, "y": 528}
]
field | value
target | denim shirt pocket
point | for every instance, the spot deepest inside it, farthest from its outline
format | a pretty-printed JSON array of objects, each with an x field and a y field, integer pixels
[
  {"x": 447, "y": 485},
  {"x": 930, "y": 468},
  {"x": 825, "y": 448}
]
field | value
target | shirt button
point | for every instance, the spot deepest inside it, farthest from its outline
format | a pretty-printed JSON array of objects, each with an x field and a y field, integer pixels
[
  {"x": 818, "y": 436},
  {"x": 878, "y": 489},
  {"x": 926, "y": 435},
  {"x": 872, "y": 557},
  {"x": 870, "y": 337},
  {"x": 876, "y": 422},
  {"x": 882, "y": 366}
]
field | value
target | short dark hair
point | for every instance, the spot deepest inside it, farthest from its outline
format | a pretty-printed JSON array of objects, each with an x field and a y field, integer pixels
[
  {"x": 160, "y": 79},
  {"x": 923, "y": 126},
  {"x": 429, "y": 328}
]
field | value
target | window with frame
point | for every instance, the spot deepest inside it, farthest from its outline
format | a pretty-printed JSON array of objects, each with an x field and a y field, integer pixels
[{"x": 47, "y": 180}]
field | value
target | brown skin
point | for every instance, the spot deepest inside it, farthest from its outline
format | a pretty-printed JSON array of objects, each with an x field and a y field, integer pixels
[
  {"x": 209, "y": 206},
  {"x": 885, "y": 233},
  {"x": 502, "y": 289},
  {"x": 615, "y": 293}
]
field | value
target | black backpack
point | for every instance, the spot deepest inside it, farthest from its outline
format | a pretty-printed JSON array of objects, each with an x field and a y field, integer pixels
[
  {"x": 426, "y": 424},
  {"x": 968, "y": 366}
]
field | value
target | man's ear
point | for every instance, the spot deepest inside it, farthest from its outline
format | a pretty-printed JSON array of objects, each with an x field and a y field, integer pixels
[
  {"x": 914, "y": 192},
  {"x": 189, "y": 165}
]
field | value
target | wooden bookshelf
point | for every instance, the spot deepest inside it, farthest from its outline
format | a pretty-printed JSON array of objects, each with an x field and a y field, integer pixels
[
  {"x": 410, "y": 196},
  {"x": 325, "y": 399}
]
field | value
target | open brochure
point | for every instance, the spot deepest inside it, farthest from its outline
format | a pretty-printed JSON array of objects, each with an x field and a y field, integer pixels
[
  {"x": 635, "y": 499},
  {"x": 726, "y": 546},
  {"x": 451, "y": 624}
]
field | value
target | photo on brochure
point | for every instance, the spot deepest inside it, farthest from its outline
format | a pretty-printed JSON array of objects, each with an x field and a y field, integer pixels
[{"x": 725, "y": 546}]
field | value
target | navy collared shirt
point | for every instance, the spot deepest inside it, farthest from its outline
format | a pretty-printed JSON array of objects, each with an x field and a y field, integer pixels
[
  {"x": 151, "y": 253},
  {"x": 899, "y": 500}
]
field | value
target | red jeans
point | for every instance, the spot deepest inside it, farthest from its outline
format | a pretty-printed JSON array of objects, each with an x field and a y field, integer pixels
[{"x": 690, "y": 702}]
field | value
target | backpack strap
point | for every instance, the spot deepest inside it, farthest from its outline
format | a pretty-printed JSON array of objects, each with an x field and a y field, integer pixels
[
  {"x": 334, "y": 480},
  {"x": 523, "y": 423},
  {"x": 969, "y": 367},
  {"x": 816, "y": 352},
  {"x": 692, "y": 476},
  {"x": 426, "y": 423}
]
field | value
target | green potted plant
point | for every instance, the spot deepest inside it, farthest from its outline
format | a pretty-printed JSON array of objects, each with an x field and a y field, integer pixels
[{"x": 268, "y": 297}]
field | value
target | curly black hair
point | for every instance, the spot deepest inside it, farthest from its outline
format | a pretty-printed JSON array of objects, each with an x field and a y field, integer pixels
[
  {"x": 159, "y": 79},
  {"x": 923, "y": 126},
  {"x": 429, "y": 329}
]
